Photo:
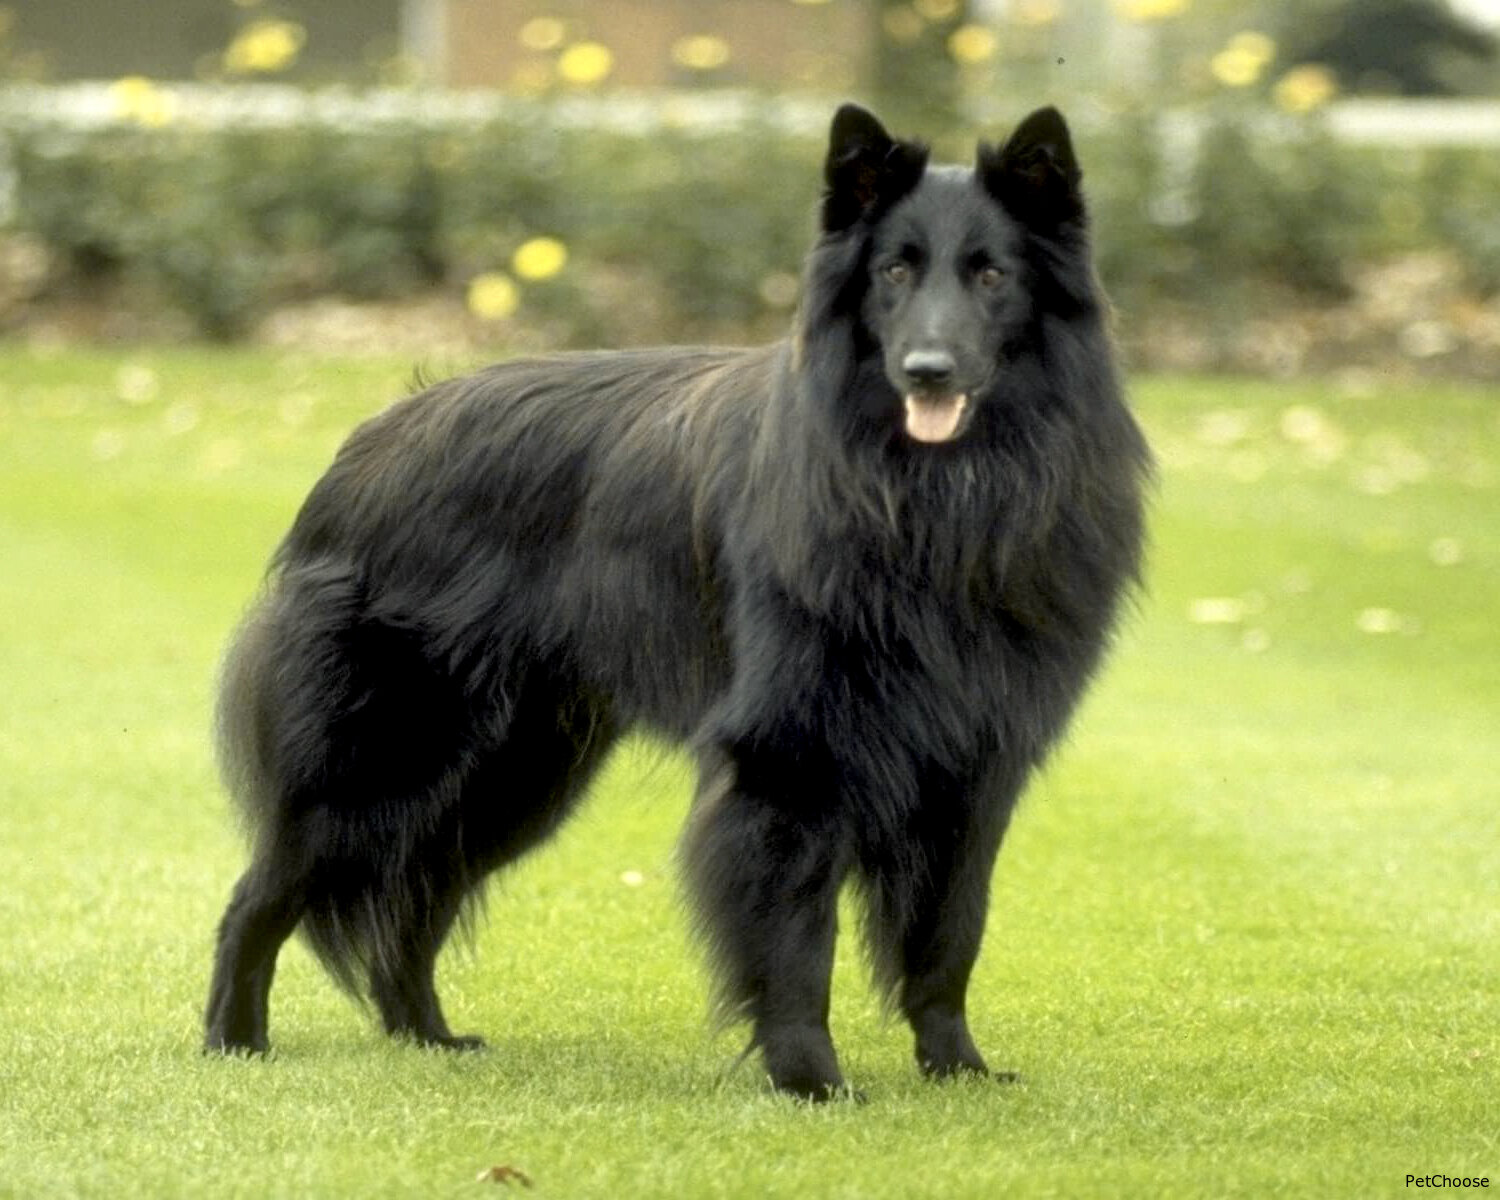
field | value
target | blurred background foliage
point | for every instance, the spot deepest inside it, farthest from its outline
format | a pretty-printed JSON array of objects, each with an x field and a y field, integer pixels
[{"x": 1275, "y": 185}]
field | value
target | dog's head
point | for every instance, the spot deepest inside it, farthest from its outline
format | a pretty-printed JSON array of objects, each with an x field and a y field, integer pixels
[{"x": 938, "y": 274}]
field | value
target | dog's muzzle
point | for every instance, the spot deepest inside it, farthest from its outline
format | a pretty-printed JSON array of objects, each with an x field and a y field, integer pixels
[{"x": 934, "y": 411}]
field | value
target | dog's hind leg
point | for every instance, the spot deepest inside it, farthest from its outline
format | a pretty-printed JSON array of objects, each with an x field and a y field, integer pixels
[
  {"x": 266, "y": 906},
  {"x": 403, "y": 986}
]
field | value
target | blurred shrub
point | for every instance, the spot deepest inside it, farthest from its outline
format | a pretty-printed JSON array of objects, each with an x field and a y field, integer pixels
[
  {"x": 1211, "y": 208},
  {"x": 671, "y": 230}
]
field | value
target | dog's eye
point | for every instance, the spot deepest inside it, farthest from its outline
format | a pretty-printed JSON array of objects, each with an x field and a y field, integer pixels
[
  {"x": 990, "y": 277},
  {"x": 897, "y": 272}
]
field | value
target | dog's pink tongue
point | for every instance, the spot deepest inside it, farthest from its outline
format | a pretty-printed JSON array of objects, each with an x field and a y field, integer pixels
[{"x": 934, "y": 418}]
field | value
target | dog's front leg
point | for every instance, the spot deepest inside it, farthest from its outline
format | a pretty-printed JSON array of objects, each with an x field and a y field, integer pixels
[{"x": 765, "y": 860}]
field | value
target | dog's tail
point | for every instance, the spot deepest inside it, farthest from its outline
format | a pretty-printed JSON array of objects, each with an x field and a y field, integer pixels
[
  {"x": 243, "y": 720},
  {"x": 362, "y": 858}
]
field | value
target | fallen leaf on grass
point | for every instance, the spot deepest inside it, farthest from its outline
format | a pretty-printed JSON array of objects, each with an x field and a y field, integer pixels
[{"x": 503, "y": 1174}]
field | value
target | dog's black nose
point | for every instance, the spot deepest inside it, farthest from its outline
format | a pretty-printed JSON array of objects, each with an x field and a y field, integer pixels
[{"x": 929, "y": 368}]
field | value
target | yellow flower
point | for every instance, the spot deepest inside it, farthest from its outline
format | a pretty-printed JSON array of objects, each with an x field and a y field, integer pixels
[
  {"x": 264, "y": 47},
  {"x": 973, "y": 44},
  {"x": 585, "y": 63},
  {"x": 137, "y": 99},
  {"x": 1151, "y": 10},
  {"x": 1305, "y": 88},
  {"x": 700, "y": 52},
  {"x": 539, "y": 258},
  {"x": 1253, "y": 45},
  {"x": 1243, "y": 60},
  {"x": 493, "y": 296},
  {"x": 1233, "y": 68}
]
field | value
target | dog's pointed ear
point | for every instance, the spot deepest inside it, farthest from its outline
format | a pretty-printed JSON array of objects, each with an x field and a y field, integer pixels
[
  {"x": 855, "y": 132},
  {"x": 865, "y": 167},
  {"x": 1036, "y": 175}
]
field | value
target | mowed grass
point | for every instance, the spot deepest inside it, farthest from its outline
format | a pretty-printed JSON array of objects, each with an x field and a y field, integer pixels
[{"x": 1245, "y": 937}]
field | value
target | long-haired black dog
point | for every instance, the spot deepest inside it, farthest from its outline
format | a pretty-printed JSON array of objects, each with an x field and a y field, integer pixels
[{"x": 865, "y": 572}]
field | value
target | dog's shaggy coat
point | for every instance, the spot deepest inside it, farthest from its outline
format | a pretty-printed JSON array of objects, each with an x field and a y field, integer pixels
[{"x": 865, "y": 573}]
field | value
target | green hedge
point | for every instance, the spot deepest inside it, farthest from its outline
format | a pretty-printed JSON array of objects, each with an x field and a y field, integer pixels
[{"x": 672, "y": 230}]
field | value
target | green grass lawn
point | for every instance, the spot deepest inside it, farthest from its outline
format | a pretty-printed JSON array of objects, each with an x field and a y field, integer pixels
[{"x": 1245, "y": 937}]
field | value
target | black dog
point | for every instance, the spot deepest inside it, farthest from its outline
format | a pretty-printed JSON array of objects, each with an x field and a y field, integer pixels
[{"x": 865, "y": 572}]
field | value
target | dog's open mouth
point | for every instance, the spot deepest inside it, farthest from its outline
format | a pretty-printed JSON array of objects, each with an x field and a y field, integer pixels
[{"x": 935, "y": 416}]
